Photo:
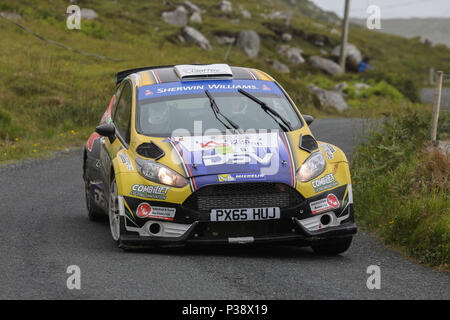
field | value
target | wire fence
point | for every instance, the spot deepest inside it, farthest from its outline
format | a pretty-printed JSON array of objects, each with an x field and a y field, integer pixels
[{"x": 88, "y": 54}]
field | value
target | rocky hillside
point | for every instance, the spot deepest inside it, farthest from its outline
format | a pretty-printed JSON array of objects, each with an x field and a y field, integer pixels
[{"x": 51, "y": 96}]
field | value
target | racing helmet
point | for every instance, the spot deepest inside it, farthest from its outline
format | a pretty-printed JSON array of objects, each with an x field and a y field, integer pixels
[
  {"x": 238, "y": 107},
  {"x": 157, "y": 113}
]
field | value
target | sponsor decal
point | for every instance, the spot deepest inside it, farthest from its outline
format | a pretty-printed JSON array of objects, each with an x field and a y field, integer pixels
[
  {"x": 250, "y": 176},
  {"x": 329, "y": 203},
  {"x": 329, "y": 150},
  {"x": 333, "y": 201},
  {"x": 240, "y": 177},
  {"x": 210, "y": 144},
  {"x": 151, "y": 192},
  {"x": 214, "y": 86},
  {"x": 231, "y": 149},
  {"x": 324, "y": 183},
  {"x": 199, "y": 87},
  {"x": 126, "y": 161},
  {"x": 226, "y": 178},
  {"x": 146, "y": 211},
  {"x": 245, "y": 157},
  {"x": 232, "y": 143},
  {"x": 91, "y": 140},
  {"x": 236, "y": 158}
]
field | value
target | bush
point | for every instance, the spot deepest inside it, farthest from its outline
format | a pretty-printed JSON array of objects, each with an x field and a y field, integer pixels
[
  {"x": 381, "y": 89},
  {"x": 408, "y": 85},
  {"x": 401, "y": 189}
]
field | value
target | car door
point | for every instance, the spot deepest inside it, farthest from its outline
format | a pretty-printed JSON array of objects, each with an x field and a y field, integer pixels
[{"x": 121, "y": 118}]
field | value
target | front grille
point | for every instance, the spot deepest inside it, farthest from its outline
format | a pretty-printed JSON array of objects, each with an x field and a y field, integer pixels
[{"x": 243, "y": 195}]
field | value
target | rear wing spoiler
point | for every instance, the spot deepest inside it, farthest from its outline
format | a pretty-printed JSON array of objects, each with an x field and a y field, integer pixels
[
  {"x": 187, "y": 71},
  {"x": 123, "y": 74}
]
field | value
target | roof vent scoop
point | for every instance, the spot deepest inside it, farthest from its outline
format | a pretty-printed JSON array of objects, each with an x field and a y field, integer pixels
[
  {"x": 194, "y": 72},
  {"x": 150, "y": 150},
  {"x": 308, "y": 143}
]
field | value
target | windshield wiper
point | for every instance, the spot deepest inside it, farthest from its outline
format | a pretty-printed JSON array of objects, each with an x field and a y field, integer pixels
[
  {"x": 271, "y": 112},
  {"x": 217, "y": 112}
]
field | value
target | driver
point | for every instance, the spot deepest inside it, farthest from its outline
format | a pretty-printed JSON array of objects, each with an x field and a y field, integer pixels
[
  {"x": 238, "y": 108},
  {"x": 157, "y": 115}
]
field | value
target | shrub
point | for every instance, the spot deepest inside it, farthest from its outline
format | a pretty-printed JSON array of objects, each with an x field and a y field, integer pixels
[{"x": 401, "y": 189}]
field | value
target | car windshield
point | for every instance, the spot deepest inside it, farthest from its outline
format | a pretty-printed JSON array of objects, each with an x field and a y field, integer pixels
[{"x": 192, "y": 114}]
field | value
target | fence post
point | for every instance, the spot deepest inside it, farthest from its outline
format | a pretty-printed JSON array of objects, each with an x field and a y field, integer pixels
[
  {"x": 436, "y": 106},
  {"x": 432, "y": 75}
]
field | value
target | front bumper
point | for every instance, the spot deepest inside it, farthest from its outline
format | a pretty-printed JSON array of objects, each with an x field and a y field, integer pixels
[
  {"x": 301, "y": 236},
  {"x": 282, "y": 231},
  {"x": 297, "y": 224}
]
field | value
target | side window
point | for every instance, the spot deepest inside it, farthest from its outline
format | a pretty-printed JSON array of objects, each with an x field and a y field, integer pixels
[
  {"x": 116, "y": 99},
  {"x": 122, "y": 118}
]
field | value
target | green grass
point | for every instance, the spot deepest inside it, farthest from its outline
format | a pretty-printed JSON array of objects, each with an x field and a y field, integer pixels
[
  {"x": 401, "y": 189},
  {"x": 46, "y": 91}
]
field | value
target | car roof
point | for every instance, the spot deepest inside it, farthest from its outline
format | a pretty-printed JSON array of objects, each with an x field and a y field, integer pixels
[{"x": 164, "y": 74}]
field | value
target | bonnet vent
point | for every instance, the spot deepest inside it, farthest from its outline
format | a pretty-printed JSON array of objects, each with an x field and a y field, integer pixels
[
  {"x": 308, "y": 143},
  {"x": 150, "y": 150}
]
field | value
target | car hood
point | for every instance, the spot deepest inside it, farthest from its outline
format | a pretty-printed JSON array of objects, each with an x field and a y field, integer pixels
[{"x": 236, "y": 158}]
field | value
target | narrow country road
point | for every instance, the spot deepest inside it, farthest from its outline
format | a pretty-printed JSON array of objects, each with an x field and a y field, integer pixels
[
  {"x": 427, "y": 95},
  {"x": 44, "y": 229}
]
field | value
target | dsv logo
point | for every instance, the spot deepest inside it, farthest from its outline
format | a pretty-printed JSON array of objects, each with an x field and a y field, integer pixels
[{"x": 236, "y": 158}]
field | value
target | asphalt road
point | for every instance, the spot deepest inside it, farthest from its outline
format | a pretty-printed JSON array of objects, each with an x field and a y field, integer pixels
[
  {"x": 427, "y": 95},
  {"x": 44, "y": 229}
]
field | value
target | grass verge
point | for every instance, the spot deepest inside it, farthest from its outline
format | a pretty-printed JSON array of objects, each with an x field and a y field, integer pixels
[{"x": 401, "y": 188}]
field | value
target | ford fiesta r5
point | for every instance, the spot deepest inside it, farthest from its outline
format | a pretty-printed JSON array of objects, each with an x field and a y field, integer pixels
[{"x": 213, "y": 154}]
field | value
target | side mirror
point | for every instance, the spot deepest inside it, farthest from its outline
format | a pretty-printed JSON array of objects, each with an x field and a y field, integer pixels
[
  {"x": 309, "y": 119},
  {"x": 106, "y": 130}
]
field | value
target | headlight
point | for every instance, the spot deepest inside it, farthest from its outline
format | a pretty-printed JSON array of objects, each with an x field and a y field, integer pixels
[
  {"x": 159, "y": 173},
  {"x": 312, "y": 167}
]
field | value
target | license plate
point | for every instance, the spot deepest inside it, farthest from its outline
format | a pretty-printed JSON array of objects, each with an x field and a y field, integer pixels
[{"x": 245, "y": 214}]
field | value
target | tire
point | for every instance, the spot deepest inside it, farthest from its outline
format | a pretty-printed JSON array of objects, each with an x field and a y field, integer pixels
[
  {"x": 93, "y": 211},
  {"x": 116, "y": 223},
  {"x": 332, "y": 247}
]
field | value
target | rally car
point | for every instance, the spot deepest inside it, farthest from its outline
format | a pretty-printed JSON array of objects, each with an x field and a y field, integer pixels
[{"x": 214, "y": 154}]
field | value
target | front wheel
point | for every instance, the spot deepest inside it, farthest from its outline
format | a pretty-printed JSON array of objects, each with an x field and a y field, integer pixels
[
  {"x": 115, "y": 223},
  {"x": 332, "y": 247}
]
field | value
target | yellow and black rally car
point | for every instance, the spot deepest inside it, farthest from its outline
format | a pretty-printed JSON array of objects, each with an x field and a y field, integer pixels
[{"x": 213, "y": 154}]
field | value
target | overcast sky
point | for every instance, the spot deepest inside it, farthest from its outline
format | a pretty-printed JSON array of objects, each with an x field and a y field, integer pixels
[{"x": 390, "y": 8}]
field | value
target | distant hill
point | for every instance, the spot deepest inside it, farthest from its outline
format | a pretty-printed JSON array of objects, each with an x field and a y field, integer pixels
[{"x": 435, "y": 29}]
